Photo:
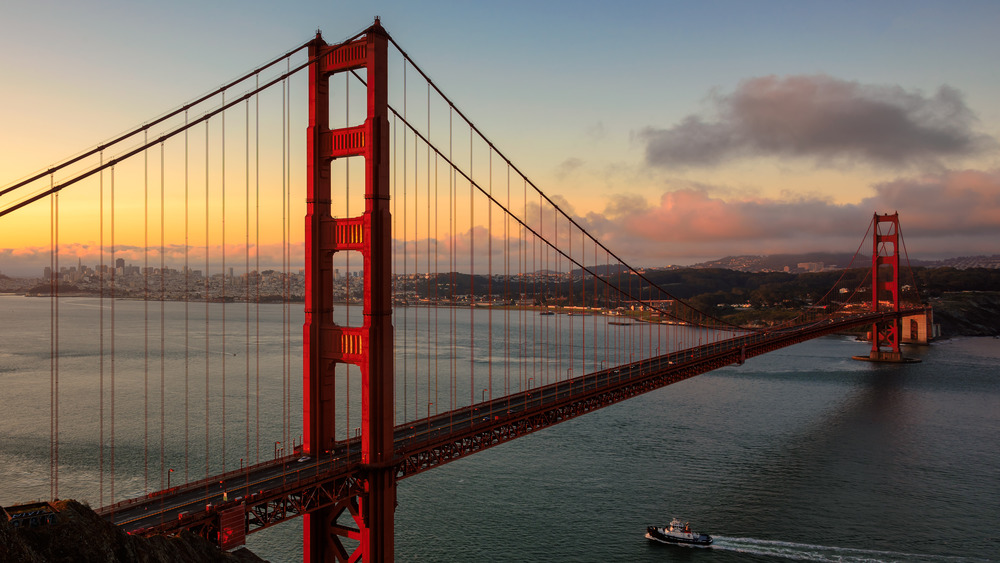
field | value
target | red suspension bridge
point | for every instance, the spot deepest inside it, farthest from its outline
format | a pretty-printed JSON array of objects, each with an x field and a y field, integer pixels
[{"x": 450, "y": 305}]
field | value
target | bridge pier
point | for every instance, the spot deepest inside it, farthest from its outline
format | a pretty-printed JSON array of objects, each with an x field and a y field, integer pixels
[
  {"x": 920, "y": 328},
  {"x": 887, "y": 357}
]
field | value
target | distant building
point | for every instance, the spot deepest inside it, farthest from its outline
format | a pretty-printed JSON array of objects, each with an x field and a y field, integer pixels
[{"x": 810, "y": 266}]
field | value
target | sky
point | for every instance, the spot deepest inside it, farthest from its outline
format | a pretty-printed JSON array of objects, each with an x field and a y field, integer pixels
[{"x": 675, "y": 131}]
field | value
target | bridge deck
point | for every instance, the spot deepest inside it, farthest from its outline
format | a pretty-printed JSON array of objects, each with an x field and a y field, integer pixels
[{"x": 277, "y": 490}]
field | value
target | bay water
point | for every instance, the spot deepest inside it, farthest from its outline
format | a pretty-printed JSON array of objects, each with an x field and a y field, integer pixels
[{"x": 802, "y": 454}]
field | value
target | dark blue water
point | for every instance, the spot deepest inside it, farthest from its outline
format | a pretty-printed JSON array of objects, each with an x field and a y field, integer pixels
[{"x": 802, "y": 454}]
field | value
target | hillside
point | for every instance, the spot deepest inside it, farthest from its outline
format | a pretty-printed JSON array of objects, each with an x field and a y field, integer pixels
[{"x": 968, "y": 313}]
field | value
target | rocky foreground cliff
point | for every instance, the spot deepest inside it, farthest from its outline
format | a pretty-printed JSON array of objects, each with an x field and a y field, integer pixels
[{"x": 78, "y": 535}]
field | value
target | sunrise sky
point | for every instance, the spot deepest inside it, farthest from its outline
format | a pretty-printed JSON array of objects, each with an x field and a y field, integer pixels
[{"x": 676, "y": 131}]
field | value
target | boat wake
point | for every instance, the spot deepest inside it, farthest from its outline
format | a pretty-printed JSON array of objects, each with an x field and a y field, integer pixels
[{"x": 822, "y": 553}]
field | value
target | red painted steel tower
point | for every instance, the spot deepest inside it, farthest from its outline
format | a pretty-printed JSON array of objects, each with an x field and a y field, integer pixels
[
  {"x": 885, "y": 287},
  {"x": 369, "y": 346}
]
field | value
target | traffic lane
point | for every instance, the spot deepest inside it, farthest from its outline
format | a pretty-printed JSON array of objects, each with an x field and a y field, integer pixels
[{"x": 234, "y": 488}]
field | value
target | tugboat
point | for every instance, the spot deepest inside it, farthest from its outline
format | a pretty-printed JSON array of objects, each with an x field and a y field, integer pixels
[{"x": 679, "y": 533}]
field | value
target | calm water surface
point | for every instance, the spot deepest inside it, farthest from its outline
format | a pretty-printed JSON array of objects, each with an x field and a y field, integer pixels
[{"x": 801, "y": 454}]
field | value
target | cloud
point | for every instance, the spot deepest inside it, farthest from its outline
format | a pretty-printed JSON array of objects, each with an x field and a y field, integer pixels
[
  {"x": 597, "y": 132},
  {"x": 568, "y": 167},
  {"x": 826, "y": 119},
  {"x": 952, "y": 204},
  {"x": 946, "y": 214},
  {"x": 949, "y": 213}
]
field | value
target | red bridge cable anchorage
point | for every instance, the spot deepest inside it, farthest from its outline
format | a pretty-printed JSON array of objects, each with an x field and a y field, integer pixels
[{"x": 549, "y": 200}]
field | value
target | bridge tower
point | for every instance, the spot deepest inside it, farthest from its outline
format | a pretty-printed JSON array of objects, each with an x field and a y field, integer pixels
[
  {"x": 885, "y": 335},
  {"x": 369, "y": 346}
]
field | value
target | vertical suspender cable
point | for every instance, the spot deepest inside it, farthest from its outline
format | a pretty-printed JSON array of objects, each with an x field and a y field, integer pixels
[
  {"x": 163, "y": 299},
  {"x": 472, "y": 282},
  {"x": 560, "y": 372},
  {"x": 288, "y": 260},
  {"x": 436, "y": 278},
  {"x": 53, "y": 273},
  {"x": 53, "y": 342},
  {"x": 284, "y": 264},
  {"x": 246, "y": 280},
  {"x": 583, "y": 303},
  {"x": 569, "y": 293},
  {"x": 406, "y": 308},
  {"x": 257, "y": 277},
  {"x": 607, "y": 307},
  {"x": 543, "y": 262},
  {"x": 536, "y": 320},
  {"x": 55, "y": 410},
  {"x": 452, "y": 256},
  {"x": 430, "y": 311},
  {"x": 397, "y": 237},
  {"x": 416, "y": 270},
  {"x": 347, "y": 255},
  {"x": 506, "y": 291},
  {"x": 225, "y": 279},
  {"x": 145, "y": 313},
  {"x": 114, "y": 265},
  {"x": 208, "y": 300},
  {"x": 596, "y": 302},
  {"x": 187, "y": 305},
  {"x": 100, "y": 277},
  {"x": 489, "y": 280}
]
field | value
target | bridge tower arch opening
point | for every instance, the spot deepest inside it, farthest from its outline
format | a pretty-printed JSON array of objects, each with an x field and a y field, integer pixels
[{"x": 326, "y": 344}]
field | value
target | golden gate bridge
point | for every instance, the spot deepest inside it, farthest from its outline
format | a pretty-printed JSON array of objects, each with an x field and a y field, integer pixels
[{"x": 450, "y": 305}]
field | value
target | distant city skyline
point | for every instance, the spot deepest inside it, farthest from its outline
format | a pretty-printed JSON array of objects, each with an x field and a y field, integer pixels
[{"x": 739, "y": 262}]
